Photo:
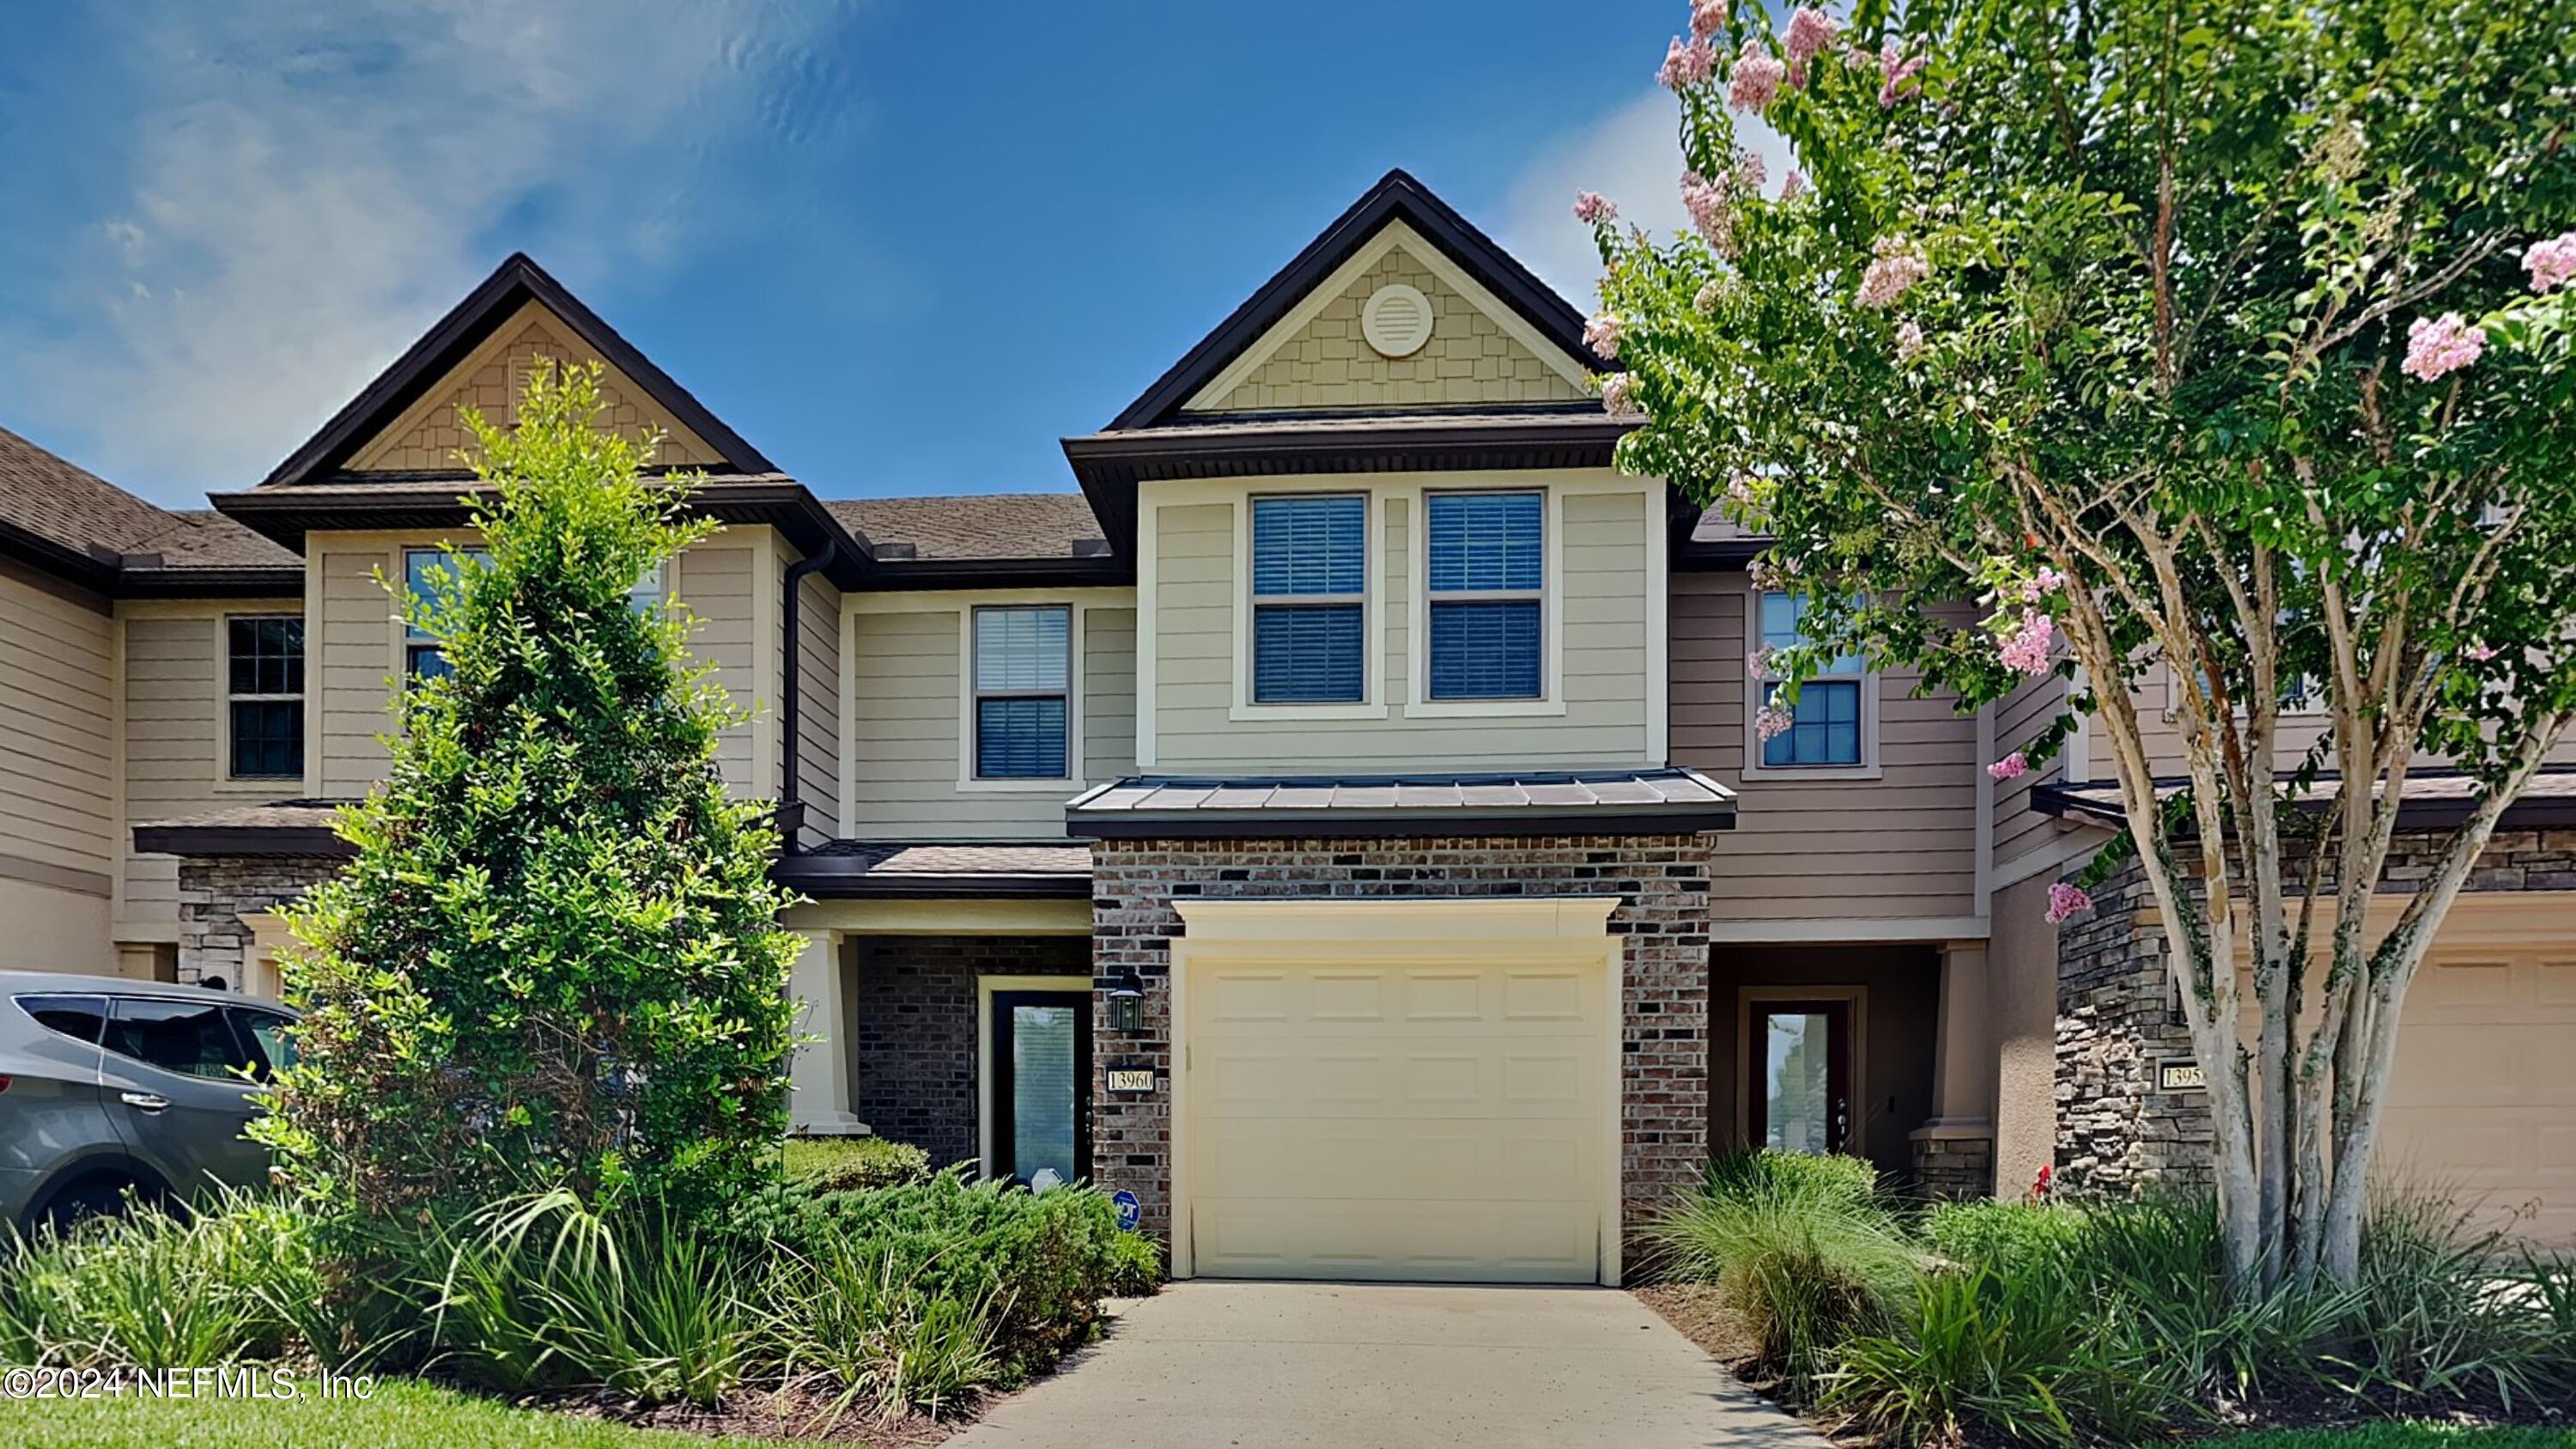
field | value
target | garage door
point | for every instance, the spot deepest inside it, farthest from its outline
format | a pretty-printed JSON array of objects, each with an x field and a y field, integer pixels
[
  {"x": 1428, "y": 1122},
  {"x": 2483, "y": 1103}
]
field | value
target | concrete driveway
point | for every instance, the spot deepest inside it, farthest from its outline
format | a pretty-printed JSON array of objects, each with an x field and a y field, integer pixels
[{"x": 1383, "y": 1366}]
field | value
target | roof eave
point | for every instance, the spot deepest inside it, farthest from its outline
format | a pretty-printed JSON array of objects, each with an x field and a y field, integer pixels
[
  {"x": 826, "y": 877},
  {"x": 210, "y": 840},
  {"x": 1397, "y": 823}
]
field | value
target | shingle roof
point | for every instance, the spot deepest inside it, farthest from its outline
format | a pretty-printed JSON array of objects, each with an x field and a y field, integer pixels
[
  {"x": 977, "y": 526},
  {"x": 280, "y": 827},
  {"x": 1550, "y": 802},
  {"x": 2433, "y": 799},
  {"x": 69, "y": 505},
  {"x": 1025, "y": 869}
]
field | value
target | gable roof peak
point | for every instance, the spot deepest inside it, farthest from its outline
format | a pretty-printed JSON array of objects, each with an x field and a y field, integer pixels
[{"x": 1397, "y": 196}]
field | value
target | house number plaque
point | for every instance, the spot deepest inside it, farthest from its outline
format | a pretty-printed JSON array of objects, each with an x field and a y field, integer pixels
[
  {"x": 1131, "y": 1079},
  {"x": 2185, "y": 1076}
]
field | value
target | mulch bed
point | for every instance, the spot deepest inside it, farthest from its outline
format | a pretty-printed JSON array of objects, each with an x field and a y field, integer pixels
[{"x": 772, "y": 1415}]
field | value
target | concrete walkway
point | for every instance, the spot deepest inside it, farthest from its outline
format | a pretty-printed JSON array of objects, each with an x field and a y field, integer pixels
[{"x": 1381, "y": 1366}]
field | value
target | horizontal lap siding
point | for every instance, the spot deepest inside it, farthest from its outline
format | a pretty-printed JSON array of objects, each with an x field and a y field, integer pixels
[
  {"x": 2019, "y": 717},
  {"x": 57, "y": 785},
  {"x": 1600, "y": 614},
  {"x": 359, "y": 661},
  {"x": 173, "y": 746},
  {"x": 716, "y": 583},
  {"x": 1899, "y": 846},
  {"x": 1108, "y": 697},
  {"x": 818, "y": 705}
]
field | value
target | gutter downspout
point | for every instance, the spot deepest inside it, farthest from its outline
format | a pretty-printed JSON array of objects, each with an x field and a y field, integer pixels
[{"x": 791, "y": 800}]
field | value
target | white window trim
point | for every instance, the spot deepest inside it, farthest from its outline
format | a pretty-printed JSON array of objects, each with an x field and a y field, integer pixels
[
  {"x": 403, "y": 642},
  {"x": 1072, "y": 779},
  {"x": 1551, "y": 614},
  {"x": 225, "y": 779},
  {"x": 2313, "y": 705},
  {"x": 1372, "y": 701},
  {"x": 985, "y": 986},
  {"x": 1869, "y": 767}
]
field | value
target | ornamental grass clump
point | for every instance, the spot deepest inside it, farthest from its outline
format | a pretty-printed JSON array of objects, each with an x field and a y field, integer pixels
[{"x": 555, "y": 960}]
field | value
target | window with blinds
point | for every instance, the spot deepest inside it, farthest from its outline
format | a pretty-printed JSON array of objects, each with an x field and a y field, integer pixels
[
  {"x": 1309, "y": 599},
  {"x": 1488, "y": 565},
  {"x": 1023, "y": 678},
  {"x": 1825, "y": 728}
]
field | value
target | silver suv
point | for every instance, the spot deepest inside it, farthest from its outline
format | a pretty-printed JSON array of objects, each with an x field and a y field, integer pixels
[{"x": 110, "y": 1086}]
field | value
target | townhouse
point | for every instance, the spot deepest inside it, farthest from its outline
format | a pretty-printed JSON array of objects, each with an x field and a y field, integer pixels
[{"x": 1340, "y": 823}]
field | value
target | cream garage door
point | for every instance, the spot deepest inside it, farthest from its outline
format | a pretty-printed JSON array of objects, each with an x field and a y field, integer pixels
[
  {"x": 2483, "y": 1102},
  {"x": 1441, "y": 1121}
]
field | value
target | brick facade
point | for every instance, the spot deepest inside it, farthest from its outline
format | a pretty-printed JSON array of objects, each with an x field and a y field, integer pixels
[
  {"x": 2118, "y": 1019},
  {"x": 1662, "y": 883},
  {"x": 216, "y": 892},
  {"x": 915, "y": 1046}
]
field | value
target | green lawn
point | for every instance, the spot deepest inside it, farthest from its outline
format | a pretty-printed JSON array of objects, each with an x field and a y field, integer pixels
[
  {"x": 2403, "y": 1436},
  {"x": 402, "y": 1414}
]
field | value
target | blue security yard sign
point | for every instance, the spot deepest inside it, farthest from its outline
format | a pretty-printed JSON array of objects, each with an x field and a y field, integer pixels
[{"x": 1130, "y": 1211}]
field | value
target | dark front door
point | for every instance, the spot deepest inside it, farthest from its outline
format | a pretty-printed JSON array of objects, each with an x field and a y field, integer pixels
[
  {"x": 1801, "y": 1096},
  {"x": 1041, "y": 1084}
]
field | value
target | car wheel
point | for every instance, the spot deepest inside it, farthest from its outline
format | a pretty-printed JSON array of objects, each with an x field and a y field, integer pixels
[{"x": 90, "y": 1197}]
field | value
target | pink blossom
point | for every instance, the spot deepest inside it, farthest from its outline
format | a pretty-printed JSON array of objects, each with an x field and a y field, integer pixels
[
  {"x": 2026, "y": 652},
  {"x": 1795, "y": 186},
  {"x": 1711, "y": 211},
  {"x": 1744, "y": 491},
  {"x": 2439, "y": 346},
  {"x": 1615, "y": 399},
  {"x": 1708, "y": 17},
  {"x": 1687, "y": 65},
  {"x": 1895, "y": 265},
  {"x": 1757, "y": 662},
  {"x": 1706, "y": 298},
  {"x": 2552, "y": 264},
  {"x": 2065, "y": 900},
  {"x": 1898, "y": 82},
  {"x": 1750, "y": 173},
  {"x": 1909, "y": 341},
  {"x": 1808, "y": 34},
  {"x": 2042, "y": 584},
  {"x": 2481, "y": 652},
  {"x": 1592, "y": 206},
  {"x": 1758, "y": 74},
  {"x": 2010, "y": 767},
  {"x": 1602, "y": 334},
  {"x": 1770, "y": 722}
]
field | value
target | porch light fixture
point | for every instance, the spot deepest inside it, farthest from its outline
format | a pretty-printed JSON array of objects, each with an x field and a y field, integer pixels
[{"x": 1127, "y": 1001}]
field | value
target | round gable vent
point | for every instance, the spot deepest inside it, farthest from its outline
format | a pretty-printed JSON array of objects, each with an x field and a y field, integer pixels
[{"x": 1396, "y": 320}]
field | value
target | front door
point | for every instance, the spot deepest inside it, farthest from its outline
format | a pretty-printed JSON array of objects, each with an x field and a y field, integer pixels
[
  {"x": 1041, "y": 1084},
  {"x": 1801, "y": 1095}
]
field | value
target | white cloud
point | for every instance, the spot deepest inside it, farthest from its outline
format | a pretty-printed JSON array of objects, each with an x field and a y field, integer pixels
[
  {"x": 1632, "y": 156},
  {"x": 307, "y": 189}
]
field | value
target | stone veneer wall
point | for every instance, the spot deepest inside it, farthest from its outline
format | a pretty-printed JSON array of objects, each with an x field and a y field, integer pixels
[
  {"x": 216, "y": 892},
  {"x": 1662, "y": 882},
  {"x": 1954, "y": 1169},
  {"x": 915, "y": 1032},
  {"x": 2118, "y": 1018}
]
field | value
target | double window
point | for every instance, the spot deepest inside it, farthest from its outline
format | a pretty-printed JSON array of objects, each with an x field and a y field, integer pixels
[
  {"x": 1310, "y": 599},
  {"x": 264, "y": 697},
  {"x": 1023, "y": 679},
  {"x": 1826, "y": 727},
  {"x": 1487, "y": 555}
]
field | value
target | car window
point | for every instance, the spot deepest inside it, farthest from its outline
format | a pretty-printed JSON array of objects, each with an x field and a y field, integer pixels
[
  {"x": 188, "y": 1037},
  {"x": 264, "y": 1033},
  {"x": 81, "y": 1018}
]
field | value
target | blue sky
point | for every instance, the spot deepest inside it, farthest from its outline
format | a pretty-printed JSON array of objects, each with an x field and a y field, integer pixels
[{"x": 902, "y": 247}]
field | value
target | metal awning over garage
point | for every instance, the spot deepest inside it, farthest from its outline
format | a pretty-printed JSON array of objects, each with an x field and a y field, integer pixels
[{"x": 1568, "y": 802}]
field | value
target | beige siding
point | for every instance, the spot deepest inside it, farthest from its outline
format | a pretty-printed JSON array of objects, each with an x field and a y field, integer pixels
[
  {"x": 351, "y": 661},
  {"x": 1599, "y": 609},
  {"x": 818, "y": 705},
  {"x": 1902, "y": 845},
  {"x": 908, "y": 743},
  {"x": 429, "y": 434},
  {"x": 717, "y": 582},
  {"x": 1329, "y": 364},
  {"x": 2019, "y": 717},
  {"x": 57, "y": 732}
]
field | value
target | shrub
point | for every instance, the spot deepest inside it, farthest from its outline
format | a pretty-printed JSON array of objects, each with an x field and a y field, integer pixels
[
  {"x": 2435, "y": 1315},
  {"x": 2001, "y": 1235},
  {"x": 852, "y": 1164},
  {"x": 1805, "y": 1251},
  {"x": 147, "y": 1289},
  {"x": 555, "y": 959},
  {"x": 860, "y": 1330}
]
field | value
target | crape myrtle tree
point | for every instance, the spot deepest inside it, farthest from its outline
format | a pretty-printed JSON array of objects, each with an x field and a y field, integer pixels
[
  {"x": 555, "y": 960},
  {"x": 2228, "y": 342}
]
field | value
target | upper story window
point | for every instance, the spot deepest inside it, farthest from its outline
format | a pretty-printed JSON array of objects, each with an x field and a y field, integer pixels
[
  {"x": 1023, "y": 673},
  {"x": 1309, "y": 599},
  {"x": 264, "y": 697},
  {"x": 1826, "y": 726},
  {"x": 1487, "y": 562},
  {"x": 649, "y": 589},
  {"x": 422, "y": 657}
]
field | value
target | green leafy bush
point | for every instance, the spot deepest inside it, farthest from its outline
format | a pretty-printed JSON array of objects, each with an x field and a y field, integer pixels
[
  {"x": 2001, "y": 1235},
  {"x": 853, "y": 1164},
  {"x": 555, "y": 959},
  {"x": 147, "y": 1289}
]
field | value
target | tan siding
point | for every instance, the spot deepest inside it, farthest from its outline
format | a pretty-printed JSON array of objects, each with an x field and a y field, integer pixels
[
  {"x": 715, "y": 581},
  {"x": 357, "y": 665},
  {"x": 57, "y": 785},
  {"x": 1329, "y": 364},
  {"x": 1600, "y": 612},
  {"x": 1108, "y": 697},
  {"x": 173, "y": 746},
  {"x": 1901, "y": 845},
  {"x": 429, "y": 433},
  {"x": 818, "y": 705},
  {"x": 2019, "y": 717}
]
